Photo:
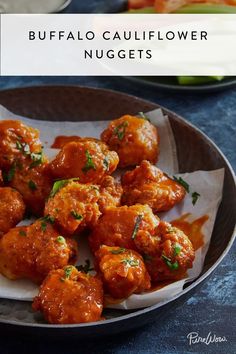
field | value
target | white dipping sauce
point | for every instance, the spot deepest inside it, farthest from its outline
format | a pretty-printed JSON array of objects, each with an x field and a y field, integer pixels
[{"x": 30, "y": 6}]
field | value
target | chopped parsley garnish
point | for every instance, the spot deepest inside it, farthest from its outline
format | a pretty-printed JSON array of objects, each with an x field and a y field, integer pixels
[
  {"x": 89, "y": 163},
  {"x": 22, "y": 233},
  {"x": 130, "y": 262},
  {"x": 60, "y": 184},
  {"x": 106, "y": 163},
  {"x": 49, "y": 218},
  {"x": 183, "y": 183},
  {"x": 43, "y": 226},
  {"x": 143, "y": 116},
  {"x": 136, "y": 226},
  {"x": 75, "y": 215},
  {"x": 32, "y": 185},
  {"x": 46, "y": 219},
  {"x": 23, "y": 147},
  {"x": 37, "y": 158},
  {"x": 85, "y": 268},
  {"x": 177, "y": 249},
  {"x": 60, "y": 239},
  {"x": 172, "y": 266},
  {"x": 119, "y": 251},
  {"x": 195, "y": 196},
  {"x": 67, "y": 273},
  {"x": 119, "y": 131}
]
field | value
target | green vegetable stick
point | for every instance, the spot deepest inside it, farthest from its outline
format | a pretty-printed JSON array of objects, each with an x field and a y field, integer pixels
[
  {"x": 196, "y": 80},
  {"x": 206, "y": 9}
]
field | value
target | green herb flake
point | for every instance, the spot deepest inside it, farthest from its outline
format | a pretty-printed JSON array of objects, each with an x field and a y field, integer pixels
[
  {"x": 60, "y": 239},
  {"x": 177, "y": 249},
  {"x": 67, "y": 273},
  {"x": 195, "y": 196},
  {"x": 75, "y": 215},
  {"x": 172, "y": 266},
  {"x": 58, "y": 185},
  {"x": 46, "y": 219},
  {"x": 37, "y": 158},
  {"x": 23, "y": 147},
  {"x": 43, "y": 226},
  {"x": 85, "y": 268},
  {"x": 143, "y": 116},
  {"x": 136, "y": 226},
  {"x": 119, "y": 131},
  {"x": 183, "y": 183},
  {"x": 106, "y": 163},
  {"x": 49, "y": 218},
  {"x": 130, "y": 262},
  {"x": 22, "y": 233},
  {"x": 119, "y": 251},
  {"x": 32, "y": 185},
  {"x": 89, "y": 163}
]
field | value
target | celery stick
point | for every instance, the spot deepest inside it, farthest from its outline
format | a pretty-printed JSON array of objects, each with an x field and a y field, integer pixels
[
  {"x": 197, "y": 80},
  {"x": 206, "y": 9}
]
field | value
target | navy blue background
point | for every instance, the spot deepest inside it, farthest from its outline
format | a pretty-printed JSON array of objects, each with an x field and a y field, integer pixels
[{"x": 213, "y": 307}]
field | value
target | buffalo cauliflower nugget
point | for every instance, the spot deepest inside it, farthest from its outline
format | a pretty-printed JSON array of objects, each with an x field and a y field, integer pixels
[
  {"x": 168, "y": 254},
  {"x": 119, "y": 226},
  {"x": 73, "y": 205},
  {"x": 32, "y": 252},
  {"x": 133, "y": 138},
  {"x": 147, "y": 184},
  {"x": 123, "y": 271},
  {"x": 110, "y": 193},
  {"x": 70, "y": 296},
  {"x": 12, "y": 209},
  {"x": 34, "y": 184},
  {"x": 17, "y": 141},
  {"x": 89, "y": 159}
]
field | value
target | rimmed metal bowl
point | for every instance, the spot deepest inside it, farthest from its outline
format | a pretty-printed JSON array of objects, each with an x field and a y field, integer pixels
[{"x": 195, "y": 151}]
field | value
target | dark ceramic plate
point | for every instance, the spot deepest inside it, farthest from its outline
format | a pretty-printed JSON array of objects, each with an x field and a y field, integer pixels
[
  {"x": 195, "y": 151},
  {"x": 98, "y": 6},
  {"x": 170, "y": 83}
]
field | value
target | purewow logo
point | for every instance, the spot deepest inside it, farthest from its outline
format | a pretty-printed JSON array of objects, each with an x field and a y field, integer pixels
[{"x": 195, "y": 338}]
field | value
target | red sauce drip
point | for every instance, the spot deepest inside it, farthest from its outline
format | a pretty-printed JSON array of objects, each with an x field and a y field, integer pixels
[
  {"x": 192, "y": 229},
  {"x": 61, "y": 140}
]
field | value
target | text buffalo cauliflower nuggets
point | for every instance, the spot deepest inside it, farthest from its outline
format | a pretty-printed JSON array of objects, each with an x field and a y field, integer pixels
[
  {"x": 70, "y": 296},
  {"x": 89, "y": 159},
  {"x": 32, "y": 251},
  {"x": 133, "y": 138},
  {"x": 123, "y": 271},
  {"x": 147, "y": 184}
]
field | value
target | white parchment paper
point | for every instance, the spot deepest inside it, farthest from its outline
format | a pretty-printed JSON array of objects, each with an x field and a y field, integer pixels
[{"x": 208, "y": 184}]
